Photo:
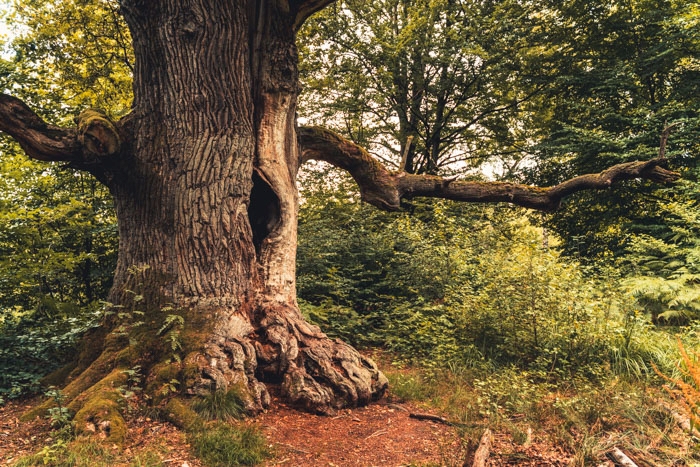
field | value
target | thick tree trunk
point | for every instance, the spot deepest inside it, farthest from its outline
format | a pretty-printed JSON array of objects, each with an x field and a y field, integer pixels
[{"x": 206, "y": 201}]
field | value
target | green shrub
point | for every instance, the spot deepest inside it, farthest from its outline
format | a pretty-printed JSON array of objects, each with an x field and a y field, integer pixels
[
  {"x": 405, "y": 387},
  {"x": 453, "y": 286},
  {"x": 510, "y": 391},
  {"x": 34, "y": 343}
]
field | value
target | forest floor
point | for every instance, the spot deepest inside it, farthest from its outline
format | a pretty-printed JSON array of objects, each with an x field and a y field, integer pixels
[
  {"x": 387, "y": 433},
  {"x": 381, "y": 434}
]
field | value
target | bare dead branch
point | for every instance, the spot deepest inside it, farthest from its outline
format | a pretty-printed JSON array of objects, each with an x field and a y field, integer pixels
[
  {"x": 429, "y": 417},
  {"x": 407, "y": 149},
  {"x": 664, "y": 139},
  {"x": 385, "y": 189}
]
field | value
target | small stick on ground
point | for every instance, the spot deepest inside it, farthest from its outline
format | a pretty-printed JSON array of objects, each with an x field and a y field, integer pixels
[
  {"x": 432, "y": 418},
  {"x": 377, "y": 433},
  {"x": 397, "y": 407},
  {"x": 484, "y": 449},
  {"x": 620, "y": 458},
  {"x": 294, "y": 449}
]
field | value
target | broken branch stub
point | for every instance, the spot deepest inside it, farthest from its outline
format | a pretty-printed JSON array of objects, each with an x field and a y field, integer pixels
[{"x": 97, "y": 135}]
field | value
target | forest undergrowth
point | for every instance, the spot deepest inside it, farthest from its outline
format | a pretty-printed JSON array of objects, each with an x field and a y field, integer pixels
[
  {"x": 485, "y": 320},
  {"x": 473, "y": 313}
]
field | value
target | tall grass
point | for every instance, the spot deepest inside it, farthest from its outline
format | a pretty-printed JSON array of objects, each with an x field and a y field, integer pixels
[
  {"x": 225, "y": 446},
  {"x": 220, "y": 405}
]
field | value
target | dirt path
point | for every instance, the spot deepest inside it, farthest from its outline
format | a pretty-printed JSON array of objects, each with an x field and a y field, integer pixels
[{"x": 378, "y": 435}]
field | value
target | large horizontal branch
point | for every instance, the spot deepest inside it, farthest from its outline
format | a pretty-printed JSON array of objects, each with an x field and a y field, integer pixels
[
  {"x": 306, "y": 8},
  {"x": 95, "y": 136},
  {"x": 385, "y": 189},
  {"x": 38, "y": 139}
]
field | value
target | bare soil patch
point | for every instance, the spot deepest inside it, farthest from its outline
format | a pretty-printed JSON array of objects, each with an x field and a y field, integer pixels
[{"x": 380, "y": 434}]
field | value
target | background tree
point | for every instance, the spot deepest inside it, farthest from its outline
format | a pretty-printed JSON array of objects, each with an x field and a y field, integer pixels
[
  {"x": 449, "y": 77},
  {"x": 583, "y": 87},
  {"x": 627, "y": 69},
  {"x": 58, "y": 231},
  {"x": 202, "y": 172}
]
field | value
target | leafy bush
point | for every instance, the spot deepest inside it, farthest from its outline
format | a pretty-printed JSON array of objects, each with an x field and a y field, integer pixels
[
  {"x": 34, "y": 343},
  {"x": 468, "y": 287},
  {"x": 508, "y": 392},
  {"x": 58, "y": 248}
]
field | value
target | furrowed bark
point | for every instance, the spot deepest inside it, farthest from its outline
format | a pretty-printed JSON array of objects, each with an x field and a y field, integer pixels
[{"x": 385, "y": 189}]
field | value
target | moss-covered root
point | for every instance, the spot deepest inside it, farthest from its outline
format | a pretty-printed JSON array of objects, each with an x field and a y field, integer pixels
[
  {"x": 114, "y": 355},
  {"x": 98, "y": 409},
  {"x": 182, "y": 416}
]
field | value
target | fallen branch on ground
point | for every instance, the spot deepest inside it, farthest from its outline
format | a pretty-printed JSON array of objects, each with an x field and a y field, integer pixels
[
  {"x": 377, "y": 433},
  {"x": 294, "y": 449},
  {"x": 620, "y": 458},
  {"x": 682, "y": 421},
  {"x": 432, "y": 418},
  {"x": 484, "y": 449},
  {"x": 528, "y": 439}
]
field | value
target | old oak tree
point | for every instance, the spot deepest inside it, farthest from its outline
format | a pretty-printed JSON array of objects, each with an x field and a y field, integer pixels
[{"x": 202, "y": 172}]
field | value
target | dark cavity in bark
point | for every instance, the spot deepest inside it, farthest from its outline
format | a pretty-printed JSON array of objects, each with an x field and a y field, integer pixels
[{"x": 263, "y": 211}]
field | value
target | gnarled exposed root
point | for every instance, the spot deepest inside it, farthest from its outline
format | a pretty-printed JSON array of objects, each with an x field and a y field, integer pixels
[
  {"x": 332, "y": 375},
  {"x": 318, "y": 374},
  {"x": 226, "y": 362}
]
